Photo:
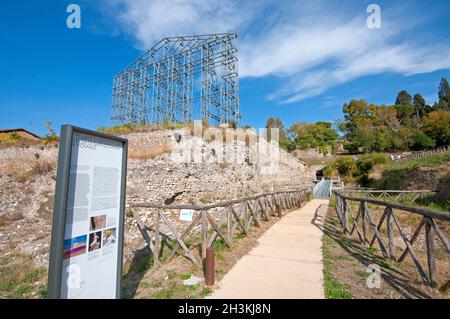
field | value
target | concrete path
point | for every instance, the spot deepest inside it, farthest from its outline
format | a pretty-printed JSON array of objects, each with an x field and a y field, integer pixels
[{"x": 287, "y": 262}]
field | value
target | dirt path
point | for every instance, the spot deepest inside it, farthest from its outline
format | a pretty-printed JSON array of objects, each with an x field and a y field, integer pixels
[{"x": 287, "y": 263}]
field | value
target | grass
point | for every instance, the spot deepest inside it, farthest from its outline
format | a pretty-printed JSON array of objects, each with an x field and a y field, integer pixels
[
  {"x": 138, "y": 128},
  {"x": 176, "y": 290},
  {"x": 362, "y": 274},
  {"x": 333, "y": 288},
  {"x": 206, "y": 291},
  {"x": 14, "y": 139},
  {"x": 185, "y": 276},
  {"x": 21, "y": 279},
  {"x": 219, "y": 245},
  {"x": 145, "y": 285},
  {"x": 143, "y": 264},
  {"x": 395, "y": 173},
  {"x": 433, "y": 160},
  {"x": 151, "y": 153},
  {"x": 21, "y": 171}
]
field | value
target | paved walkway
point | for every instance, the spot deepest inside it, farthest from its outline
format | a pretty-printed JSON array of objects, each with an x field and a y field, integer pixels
[{"x": 287, "y": 263}]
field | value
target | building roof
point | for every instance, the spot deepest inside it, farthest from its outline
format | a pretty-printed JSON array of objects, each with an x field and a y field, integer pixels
[{"x": 11, "y": 130}]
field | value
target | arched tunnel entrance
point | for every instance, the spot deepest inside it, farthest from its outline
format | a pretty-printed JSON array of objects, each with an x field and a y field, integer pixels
[{"x": 319, "y": 174}]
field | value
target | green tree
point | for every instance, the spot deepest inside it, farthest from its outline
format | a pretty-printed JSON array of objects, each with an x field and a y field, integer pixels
[
  {"x": 444, "y": 96},
  {"x": 357, "y": 113},
  {"x": 420, "y": 140},
  {"x": 318, "y": 135},
  {"x": 437, "y": 127},
  {"x": 420, "y": 106},
  {"x": 405, "y": 113},
  {"x": 276, "y": 123},
  {"x": 403, "y": 98}
]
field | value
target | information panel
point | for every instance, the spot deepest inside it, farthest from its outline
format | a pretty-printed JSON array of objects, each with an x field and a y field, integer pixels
[{"x": 87, "y": 231}]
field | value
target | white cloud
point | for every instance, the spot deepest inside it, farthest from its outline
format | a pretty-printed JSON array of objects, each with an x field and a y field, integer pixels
[
  {"x": 150, "y": 20},
  {"x": 311, "y": 45}
]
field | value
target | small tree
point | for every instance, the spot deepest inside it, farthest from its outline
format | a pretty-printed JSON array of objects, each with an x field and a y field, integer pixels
[
  {"x": 51, "y": 137},
  {"x": 420, "y": 106},
  {"x": 444, "y": 96},
  {"x": 437, "y": 127},
  {"x": 403, "y": 98}
]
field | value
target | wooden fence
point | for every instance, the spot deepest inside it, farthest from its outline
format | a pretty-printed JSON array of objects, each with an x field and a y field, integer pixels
[
  {"x": 396, "y": 196},
  {"x": 364, "y": 222},
  {"x": 416, "y": 155},
  {"x": 239, "y": 214}
]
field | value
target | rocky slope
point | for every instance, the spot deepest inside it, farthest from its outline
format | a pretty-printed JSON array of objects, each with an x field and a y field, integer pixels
[{"x": 27, "y": 183}]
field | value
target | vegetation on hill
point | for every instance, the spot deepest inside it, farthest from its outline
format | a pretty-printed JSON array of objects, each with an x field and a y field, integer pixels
[
  {"x": 132, "y": 128},
  {"x": 302, "y": 135},
  {"x": 409, "y": 124},
  {"x": 352, "y": 170},
  {"x": 376, "y": 170},
  {"x": 15, "y": 139}
]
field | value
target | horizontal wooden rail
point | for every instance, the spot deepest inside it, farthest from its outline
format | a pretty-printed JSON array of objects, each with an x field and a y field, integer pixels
[
  {"x": 396, "y": 196},
  {"x": 417, "y": 155},
  {"x": 370, "y": 190},
  {"x": 210, "y": 206},
  {"x": 364, "y": 222},
  {"x": 415, "y": 210}
]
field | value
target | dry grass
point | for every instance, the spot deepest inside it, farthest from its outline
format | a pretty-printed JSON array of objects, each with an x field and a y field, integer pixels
[
  {"x": 132, "y": 128},
  {"x": 7, "y": 140},
  {"x": 22, "y": 171},
  {"x": 151, "y": 153},
  {"x": 223, "y": 164},
  {"x": 6, "y": 219},
  {"x": 41, "y": 167}
]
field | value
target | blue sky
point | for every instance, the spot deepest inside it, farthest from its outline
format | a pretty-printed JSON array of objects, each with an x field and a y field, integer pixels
[{"x": 299, "y": 60}]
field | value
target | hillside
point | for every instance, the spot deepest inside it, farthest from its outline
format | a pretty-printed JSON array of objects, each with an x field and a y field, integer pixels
[
  {"x": 423, "y": 173},
  {"x": 158, "y": 171}
]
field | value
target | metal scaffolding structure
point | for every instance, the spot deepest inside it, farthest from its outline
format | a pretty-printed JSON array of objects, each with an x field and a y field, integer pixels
[{"x": 179, "y": 80}]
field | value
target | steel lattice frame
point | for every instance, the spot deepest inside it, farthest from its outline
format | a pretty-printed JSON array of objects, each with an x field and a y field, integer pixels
[{"x": 181, "y": 79}]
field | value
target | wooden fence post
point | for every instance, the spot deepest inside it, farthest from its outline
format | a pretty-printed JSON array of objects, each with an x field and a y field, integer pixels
[
  {"x": 204, "y": 235},
  {"x": 429, "y": 238},
  {"x": 229, "y": 224},
  {"x": 245, "y": 215},
  {"x": 390, "y": 232},
  {"x": 345, "y": 210},
  {"x": 157, "y": 240},
  {"x": 364, "y": 222}
]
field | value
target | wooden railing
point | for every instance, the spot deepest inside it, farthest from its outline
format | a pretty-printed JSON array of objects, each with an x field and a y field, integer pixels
[
  {"x": 396, "y": 196},
  {"x": 421, "y": 154},
  {"x": 364, "y": 223},
  {"x": 234, "y": 214}
]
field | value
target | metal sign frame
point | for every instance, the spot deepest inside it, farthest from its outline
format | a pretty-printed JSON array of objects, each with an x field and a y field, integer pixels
[{"x": 60, "y": 207}]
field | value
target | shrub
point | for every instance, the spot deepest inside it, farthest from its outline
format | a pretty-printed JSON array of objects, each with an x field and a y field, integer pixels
[
  {"x": 420, "y": 140},
  {"x": 51, "y": 138},
  {"x": 329, "y": 171},
  {"x": 367, "y": 161},
  {"x": 345, "y": 165}
]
